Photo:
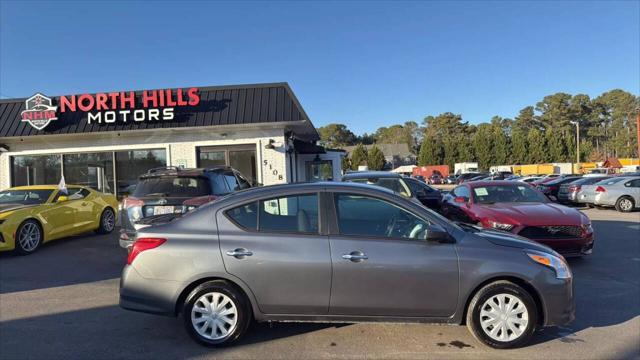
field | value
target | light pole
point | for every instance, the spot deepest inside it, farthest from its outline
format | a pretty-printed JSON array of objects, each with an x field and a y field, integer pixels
[{"x": 577, "y": 124}]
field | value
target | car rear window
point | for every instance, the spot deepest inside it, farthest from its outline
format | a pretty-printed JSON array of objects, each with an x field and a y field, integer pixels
[
  {"x": 611, "y": 181},
  {"x": 178, "y": 186}
]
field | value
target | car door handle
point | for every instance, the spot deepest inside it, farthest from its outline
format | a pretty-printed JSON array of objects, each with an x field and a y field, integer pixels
[
  {"x": 239, "y": 253},
  {"x": 355, "y": 256}
]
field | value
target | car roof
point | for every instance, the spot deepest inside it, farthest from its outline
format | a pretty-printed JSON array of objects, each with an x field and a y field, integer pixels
[
  {"x": 176, "y": 171},
  {"x": 282, "y": 189},
  {"x": 371, "y": 174}
]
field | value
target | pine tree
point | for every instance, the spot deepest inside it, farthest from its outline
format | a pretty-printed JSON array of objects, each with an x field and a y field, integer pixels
[
  {"x": 483, "y": 145},
  {"x": 519, "y": 151},
  {"x": 359, "y": 157},
  {"x": 537, "y": 147},
  {"x": 375, "y": 159},
  {"x": 430, "y": 152}
]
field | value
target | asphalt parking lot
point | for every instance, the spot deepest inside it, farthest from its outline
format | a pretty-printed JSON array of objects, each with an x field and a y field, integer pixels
[{"x": 62, "y": 302}]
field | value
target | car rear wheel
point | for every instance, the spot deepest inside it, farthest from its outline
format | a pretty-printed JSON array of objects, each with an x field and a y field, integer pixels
[
  {"x": 502, "y": 315},
  {"x": 216, "y": 313},
  {"x": 625, "y": 204},
  {"x": 28, "y": 237},
  {"x": 107, "y": 221}
]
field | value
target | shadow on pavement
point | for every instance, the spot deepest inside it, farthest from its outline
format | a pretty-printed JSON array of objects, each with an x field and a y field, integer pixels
[
  {"x": 110, "y": 332},
  {"x": 74, "y": 260}
]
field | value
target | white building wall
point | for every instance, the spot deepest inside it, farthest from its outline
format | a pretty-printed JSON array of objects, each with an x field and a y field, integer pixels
[{"x": 180, "y": 146}]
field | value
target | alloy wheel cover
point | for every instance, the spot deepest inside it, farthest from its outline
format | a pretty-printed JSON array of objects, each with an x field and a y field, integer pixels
[{"x": 29, "y": 236}]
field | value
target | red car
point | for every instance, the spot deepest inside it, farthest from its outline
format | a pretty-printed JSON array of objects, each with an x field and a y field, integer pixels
[{"x": 523, "y": 210}]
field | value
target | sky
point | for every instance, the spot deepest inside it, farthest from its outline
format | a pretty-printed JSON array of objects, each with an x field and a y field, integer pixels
[{"x": 363, "y": 64}]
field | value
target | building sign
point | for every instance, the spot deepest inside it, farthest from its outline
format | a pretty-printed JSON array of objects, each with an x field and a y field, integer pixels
[
  {"x": 39, "y": 111},
  {"x": 111, "y": 108}
]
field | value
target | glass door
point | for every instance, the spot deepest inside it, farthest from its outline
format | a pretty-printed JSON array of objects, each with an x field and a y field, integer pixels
[{"x": 239, "y": 157}]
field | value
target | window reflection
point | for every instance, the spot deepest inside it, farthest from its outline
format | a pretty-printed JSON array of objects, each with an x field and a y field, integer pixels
[
  {"x": 35, "y": 170},
  {"x": 94, "y": 170},
  {"x": 131, "y": 164}
]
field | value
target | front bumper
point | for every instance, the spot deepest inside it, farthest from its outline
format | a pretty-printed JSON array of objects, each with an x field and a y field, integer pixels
[
  {"x": 559, "y": 303},
  {"x": 570, "y": 247},
  {"x": 7, "y": 242}
]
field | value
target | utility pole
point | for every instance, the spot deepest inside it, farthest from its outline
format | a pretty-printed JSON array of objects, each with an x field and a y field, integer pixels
[{"x": 577, "y": 124}]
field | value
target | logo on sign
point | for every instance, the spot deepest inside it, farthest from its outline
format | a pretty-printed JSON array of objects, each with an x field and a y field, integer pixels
[{"x": 38, "y": 111}]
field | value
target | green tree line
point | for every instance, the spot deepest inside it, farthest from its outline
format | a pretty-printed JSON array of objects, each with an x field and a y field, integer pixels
[{"x": 545, "y": 132}]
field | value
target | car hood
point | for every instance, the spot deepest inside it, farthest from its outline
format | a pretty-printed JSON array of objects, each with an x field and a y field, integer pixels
[
  {"x": 532, "y": 214},
  {"x": 13, "y": 207},
  {"x": 502, "y": 238}
]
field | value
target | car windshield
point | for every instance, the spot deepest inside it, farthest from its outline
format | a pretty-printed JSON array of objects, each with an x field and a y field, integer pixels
[
  {"x": 394, "y": 184},
  {"x": 506, "y": 194},
  {"x": 173, "y": 186},
  {"x": 610, "y": 181},
  {"x": 25, "y": 197}
]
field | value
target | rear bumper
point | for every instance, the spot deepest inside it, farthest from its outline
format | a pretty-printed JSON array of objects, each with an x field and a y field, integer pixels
[{"x": 148, "y": 295}]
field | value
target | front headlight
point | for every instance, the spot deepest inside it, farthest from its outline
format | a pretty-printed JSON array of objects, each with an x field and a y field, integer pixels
[
  {"x": 500, "y": 226},
  {"x": 558, "y": 264}
]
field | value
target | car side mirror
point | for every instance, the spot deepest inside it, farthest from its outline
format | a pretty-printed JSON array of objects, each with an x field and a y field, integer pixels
[
  {"x": 437, "y": 233},
  {"x": 62, "y": 198}
]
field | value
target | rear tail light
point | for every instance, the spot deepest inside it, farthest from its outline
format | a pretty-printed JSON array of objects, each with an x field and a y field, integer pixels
[
  {"x": 143, "y": 244},
  {"x": 131, "y": 202},
  {"x": 574, "y": 188},
  {"x": 600, "y": 189},
  {"x": 133, "y": 207}
]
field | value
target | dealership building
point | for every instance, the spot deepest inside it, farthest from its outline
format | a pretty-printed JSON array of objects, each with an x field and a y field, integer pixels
[{"x": 106, "y": 140}]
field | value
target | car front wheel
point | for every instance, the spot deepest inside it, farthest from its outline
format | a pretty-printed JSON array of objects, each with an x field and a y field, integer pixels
[
  {"x": 216, "y": 313},
  {"x": 28, "y": 237},
  {"x": 502, "y": 315}
]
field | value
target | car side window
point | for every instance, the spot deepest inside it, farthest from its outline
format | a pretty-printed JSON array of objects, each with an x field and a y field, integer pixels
[
  {"x": 218, "y": 184},
  {"x": 461, "y": 191},
  {"x": 297, "y": 214},
  {"x": 367, "y": 216},
  {"x": 231, "y": 180},
  {"x": 633, "y": 183},
  {"x": 243, "y": 183},
  {"x": 246, "y": 216},
  {"x": 73, "y": 194}
]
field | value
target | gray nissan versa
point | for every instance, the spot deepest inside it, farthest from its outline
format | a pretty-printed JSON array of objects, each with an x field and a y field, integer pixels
[{"x": 342, "y": 252}]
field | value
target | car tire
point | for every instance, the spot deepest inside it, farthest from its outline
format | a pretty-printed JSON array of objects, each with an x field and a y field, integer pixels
[
  {"x": 231, "y": 319},
  {"x": 625, "y": 204},
  {"x": 107, "y": 221},
  {"x": 590, "y": 205},
  {"x": 496, "y": 332},
  {"x": 29, "y": 237}
]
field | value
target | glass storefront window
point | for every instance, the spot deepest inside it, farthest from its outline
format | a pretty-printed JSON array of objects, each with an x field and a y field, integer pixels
[
  {"x": 35, "y": 170},
  {"x": 245, "y": 162},
  {"x": 94, "y": 170},
  {"x": 239, "y": 157},
  {"x": 212, "y": 158},
  {"x": 131, "y": 164}
]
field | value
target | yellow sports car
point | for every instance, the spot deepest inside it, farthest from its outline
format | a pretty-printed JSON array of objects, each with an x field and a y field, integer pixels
[{"x": 32, "y": 215}]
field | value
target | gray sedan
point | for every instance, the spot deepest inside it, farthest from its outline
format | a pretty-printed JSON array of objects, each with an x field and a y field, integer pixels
[
  {"x": 624, "y": 195},
  {"x": 342, "y": 252}
]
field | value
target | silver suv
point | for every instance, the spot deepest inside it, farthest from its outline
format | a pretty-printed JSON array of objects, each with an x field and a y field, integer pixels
[{"x": 341, "y": 252}]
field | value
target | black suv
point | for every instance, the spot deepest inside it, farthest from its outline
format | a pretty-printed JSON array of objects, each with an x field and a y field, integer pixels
[{"x": 170, "y": 191}]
